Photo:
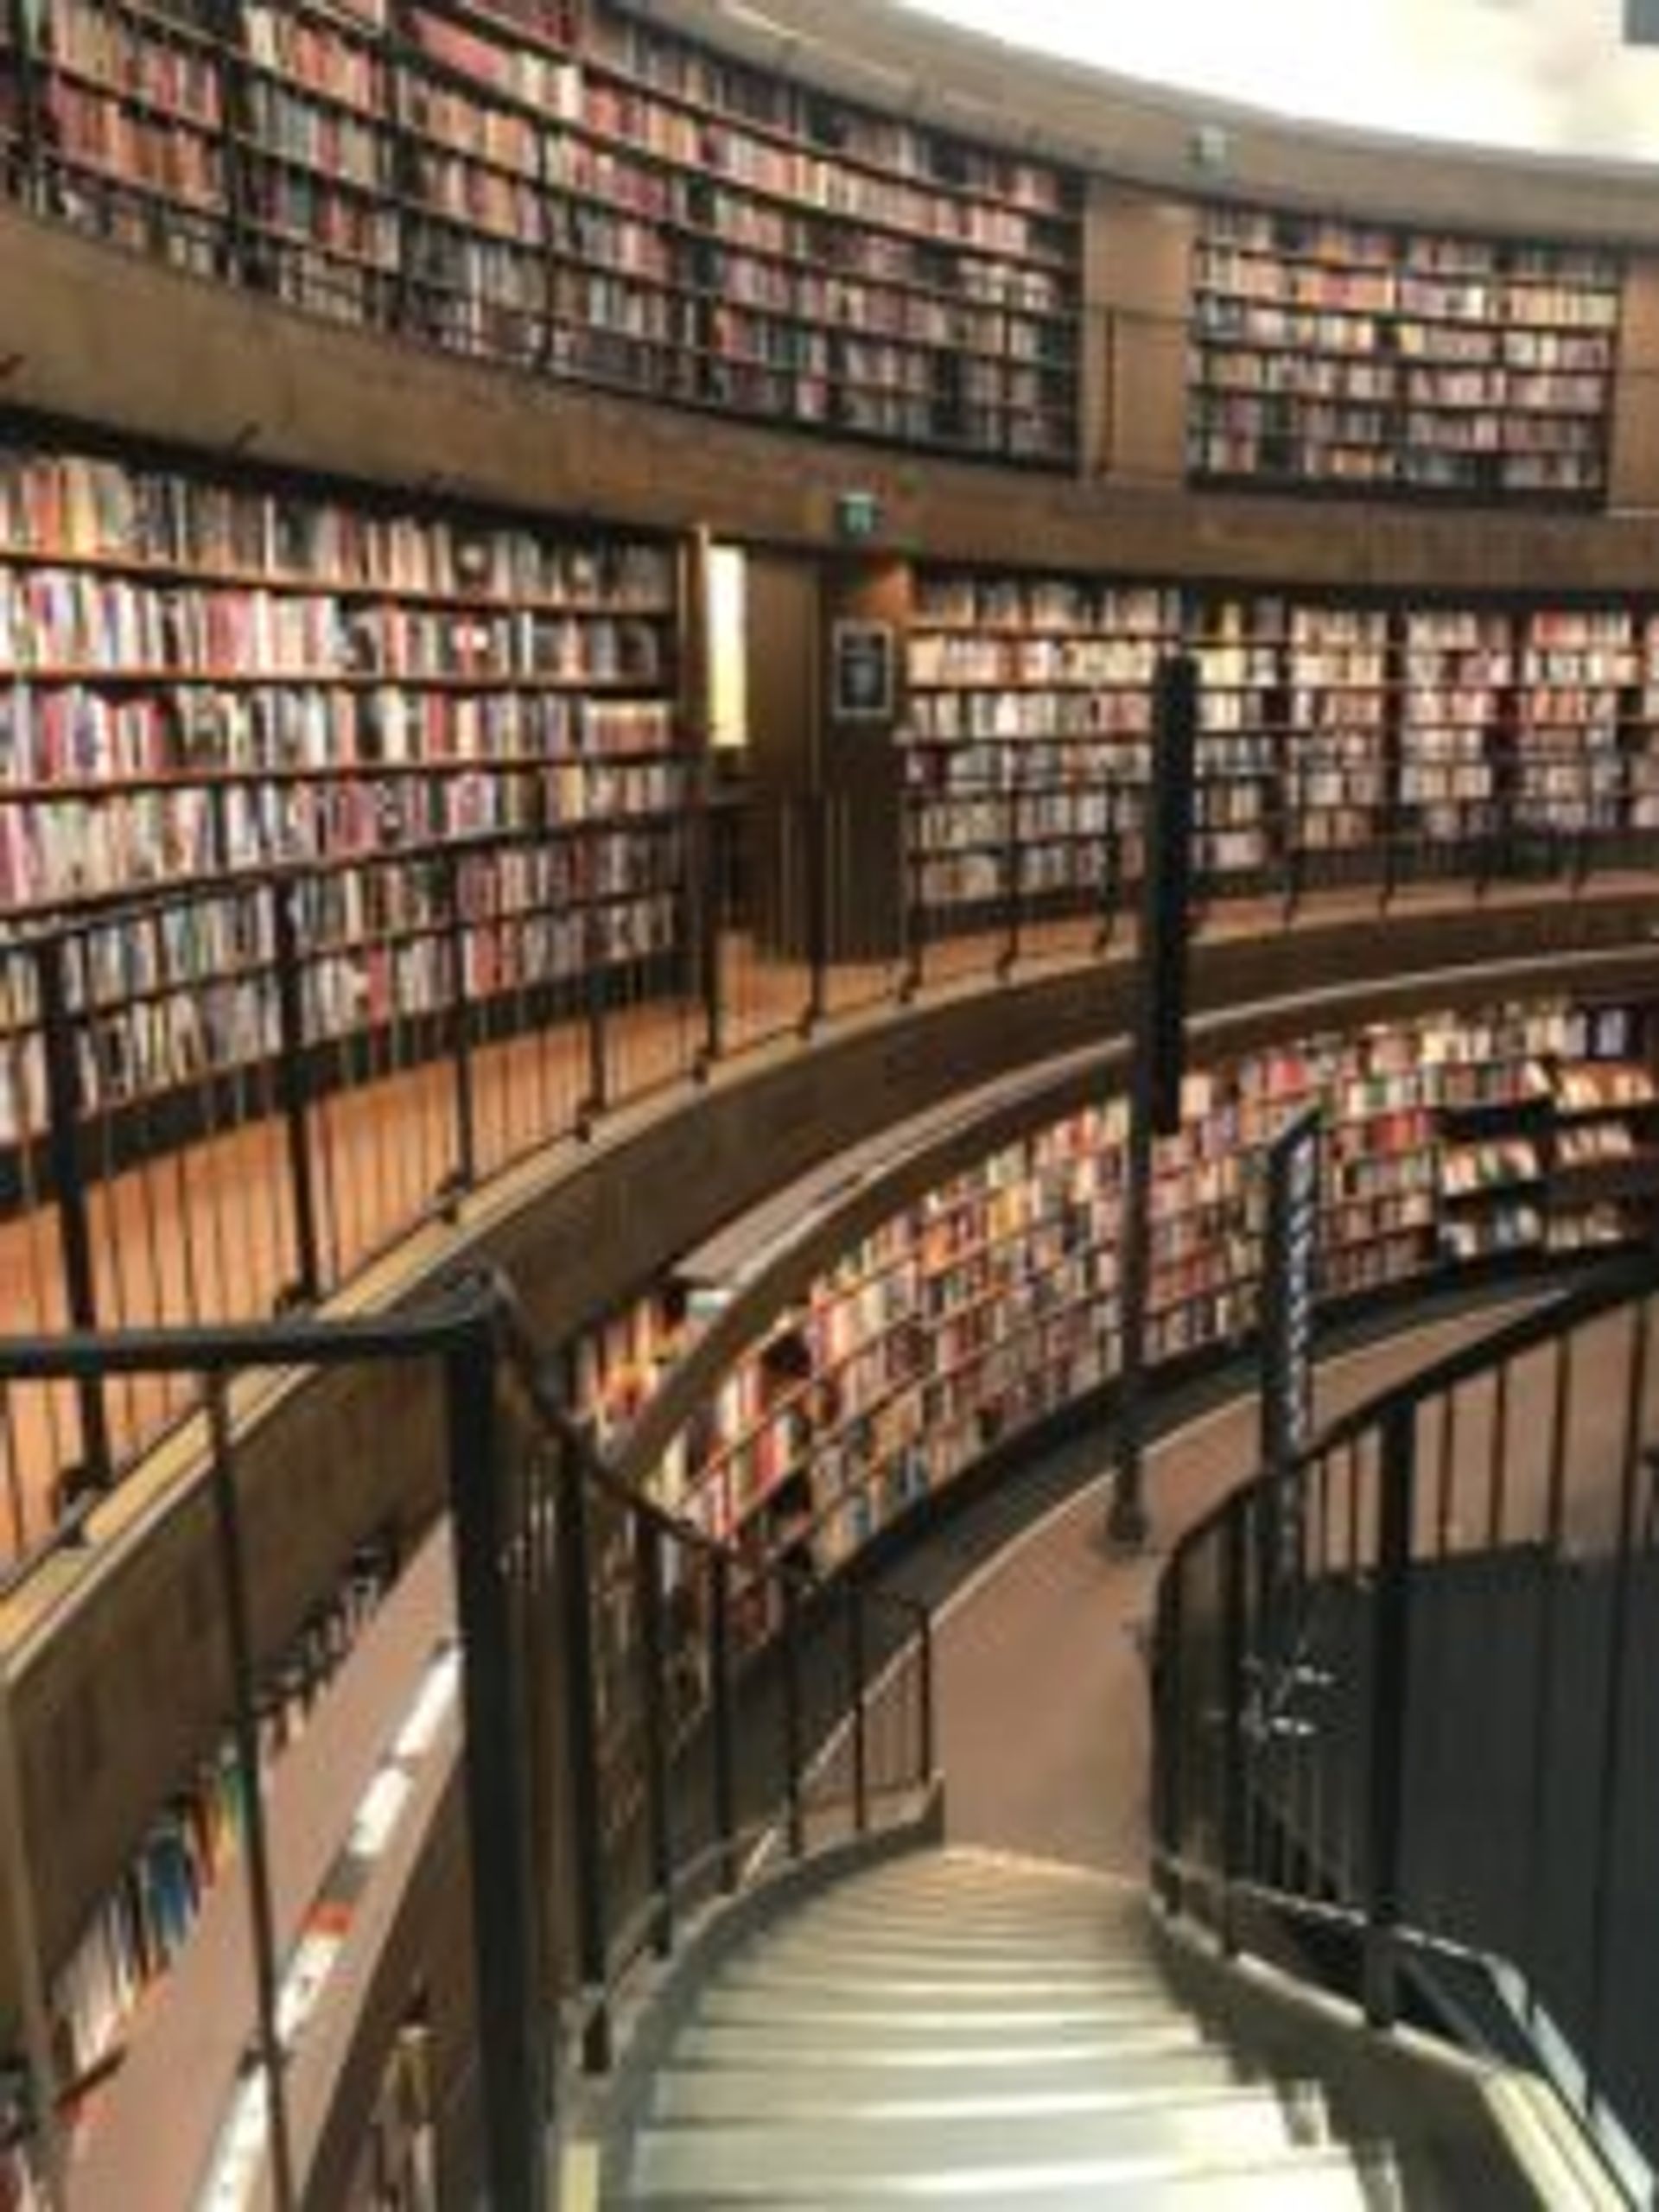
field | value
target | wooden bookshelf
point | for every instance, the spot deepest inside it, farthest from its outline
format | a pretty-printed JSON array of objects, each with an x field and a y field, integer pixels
[
  {"x": 1343, "y": 741},
  {"x": 1027, "y": 744},
  {"x": 209, "y": 676},
  {"x": 1340, "y": 357},
  {"x": 576, "y": 190},
  {"x": 1448, "y": 1140}
]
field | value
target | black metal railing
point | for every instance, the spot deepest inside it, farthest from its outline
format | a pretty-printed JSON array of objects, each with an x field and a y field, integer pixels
[
  {"x": 225, "y": 1098},
  {"x": 1407, "y": 1692},
  {"x": 650, "y": 1719}
]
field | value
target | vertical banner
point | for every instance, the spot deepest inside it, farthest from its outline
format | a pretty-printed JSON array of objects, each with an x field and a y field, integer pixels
[{"x": 1290, "y": 1254}]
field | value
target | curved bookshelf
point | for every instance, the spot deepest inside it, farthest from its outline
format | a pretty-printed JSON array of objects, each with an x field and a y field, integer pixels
[{"x": 1528, "y": 1130}]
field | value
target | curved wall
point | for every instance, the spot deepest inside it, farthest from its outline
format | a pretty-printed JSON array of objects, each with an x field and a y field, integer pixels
[
  {"x": 113, "y": 1649},
  {"x": 270, "y": 384}
]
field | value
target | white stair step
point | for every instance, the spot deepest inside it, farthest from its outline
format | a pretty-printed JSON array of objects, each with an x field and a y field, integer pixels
[
  {"x": 851, "y": 2011},
  {"x": 745, "y": 2044},
  {"x": 1237, "y": 2124},
  {"x": 878, "y": 1986},
  {"x": 855, "y": 2089},
  {"x": 1301, "y": 2181},
  {"x": 1091, "y": 1946}
]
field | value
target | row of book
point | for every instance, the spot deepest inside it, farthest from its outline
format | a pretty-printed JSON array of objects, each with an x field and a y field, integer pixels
[
  {"x": 73, "y": 622},
  {"x": 144, "y": 1923},
  {"x": 443, "y": 178},
  {"x": 993, "y": 1298},
  {"x": 1356, "y": 725},
  {"x": 1399, "y": 358},
  {"x": 59, "y": 506}
]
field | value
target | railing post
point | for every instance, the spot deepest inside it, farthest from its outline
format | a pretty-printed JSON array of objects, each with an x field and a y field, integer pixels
[
  {"x": 927, "y": 1748},
  {"x": 294, "y": 1091},
  {"x": 1390, "y": 1685},
  {"x": 1170, "y": 1746},
  {"x": 511, "y": 2049},
  {"x": 913, "y": 861},
  {"x": 709, "y": 858},
  {"x": 582, "y": 1713},
  {"x": 720, "y": 1693},
  {"x": 465, "y": 1172},
  {"x": 63, "y": 1103},
  {"x": 791, "y": 1644},
  {"x": 648, "y": 1590},
  {"x": 1236, "y": 1717},
  {"x": 860, "y": 1709},
  {"x": 815, "y": 818},
  {"x": 1012, "y": 878},
  {"x": 595, "y": 984},
  {"x": 1112, "y": 870},
  {"x": 1614, "y": 1754},
  {"x": 233, "y": 1585}
]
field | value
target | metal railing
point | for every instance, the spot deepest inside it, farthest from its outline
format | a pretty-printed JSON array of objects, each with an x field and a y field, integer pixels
[
  {"x": 650, "y": 1719},
  {"x": 1406, "y": 1695},
  {"x": 227, "y": 1097}
]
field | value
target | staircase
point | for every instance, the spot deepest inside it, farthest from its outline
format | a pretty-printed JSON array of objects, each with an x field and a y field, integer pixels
[{"x": 959, "y": 2026}]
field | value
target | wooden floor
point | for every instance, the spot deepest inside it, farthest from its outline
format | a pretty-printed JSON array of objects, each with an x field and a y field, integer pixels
[{"x": 208, "y": 1232}]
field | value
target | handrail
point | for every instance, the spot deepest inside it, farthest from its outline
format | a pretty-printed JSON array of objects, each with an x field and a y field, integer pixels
[
  {"x": 655, "y": 1785},
  {"x": 1325, "y": 1752},
  {"x": 1609, "y": 1287}
]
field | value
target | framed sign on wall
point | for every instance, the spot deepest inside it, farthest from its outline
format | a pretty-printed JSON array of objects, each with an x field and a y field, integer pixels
[{"x": 862, "y": 659}]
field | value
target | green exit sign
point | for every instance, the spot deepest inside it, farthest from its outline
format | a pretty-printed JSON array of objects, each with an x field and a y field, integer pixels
[{"x": 858, "y": 514}]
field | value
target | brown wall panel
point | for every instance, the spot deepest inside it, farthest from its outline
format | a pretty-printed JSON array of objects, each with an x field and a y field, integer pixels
[
  {"x": 1634, "y": 477},
  {"x": 1137, "y": 284},
  {"x": 279, "y": 387}
]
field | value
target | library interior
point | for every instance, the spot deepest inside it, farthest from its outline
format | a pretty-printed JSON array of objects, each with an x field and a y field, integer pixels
[{"x": 829, "y": 1107}]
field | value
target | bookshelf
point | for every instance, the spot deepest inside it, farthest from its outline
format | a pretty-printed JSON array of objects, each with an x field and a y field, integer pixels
[
  {"x": 1352, "y": 357},
  {"x": 1343, "y": 741},
  {"x": 574, "y": 189},
  {"x": 1028, "y": 743},
  {"x": 1449, "y": 1140},
  {"x": 207, "y": 676},
  {"x": 143, "y": 1926}
]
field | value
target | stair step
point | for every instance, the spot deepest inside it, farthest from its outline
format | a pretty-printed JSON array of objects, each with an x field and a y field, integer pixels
[
  {"x": 985, "y": 2155},
  {"x": 850, "y": 2012},
  {"x": 855, "y": 2089},
  {"x": 747, "y": 2044},
  {"x": 1302, "y": 2180},
  {"x": 871, "y": 1987}
]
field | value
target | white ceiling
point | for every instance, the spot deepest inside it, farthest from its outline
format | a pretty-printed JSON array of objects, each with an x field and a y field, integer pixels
[{"x": 1543, "y": 76}]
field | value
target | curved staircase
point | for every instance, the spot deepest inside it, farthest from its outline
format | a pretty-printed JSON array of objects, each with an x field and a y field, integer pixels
[{"x": 958, "y": 2026}]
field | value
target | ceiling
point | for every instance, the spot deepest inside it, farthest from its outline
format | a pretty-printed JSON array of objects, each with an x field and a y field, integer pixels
[{"x": 1539, "y": 76}]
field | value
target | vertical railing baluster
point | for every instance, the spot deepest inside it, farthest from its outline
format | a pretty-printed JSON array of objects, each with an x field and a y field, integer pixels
[
  {"x": 245, "y": 1722},
  {"x": 1389, "y": 1701},
  {"x": 928, "y": 1719},
  {"x": 513, "y": 2052},
  {"x": 1235, "y": 1716},
  {"x": 65, "y": 1155},
  {"x": 791, "y": 1656},
  {"x": 814, "y": 816},
  {"x": 854, "y": 1601},
  {"x": 586, "y": 1804},
  {"x": 1544, "y": 1665},
  {"x": 294, "y": 1090},
  {"x": 648, "y": 1592},
  {"x": 1611, "y": 1769},
  {"x": 465, "y": 1172},
  {"x": 720, "y": 1735}
]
